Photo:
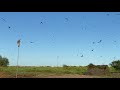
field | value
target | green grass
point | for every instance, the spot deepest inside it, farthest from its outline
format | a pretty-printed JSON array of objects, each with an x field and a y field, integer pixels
[
  {"x": 32, "y": 71},
  {"x": 71, "y": 70},
  {"x": 11, "y": 70}
]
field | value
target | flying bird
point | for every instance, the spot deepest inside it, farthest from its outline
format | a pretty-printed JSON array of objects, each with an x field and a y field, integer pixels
[
  {"x": 100, "y": 41},
  {"x": 66, "y": 19},
  {"x": 93, "y": 42},
  {"x": 9, "y": 27},
  {"x": 31, "y": 42},
  {"x": 41, "y": 22},
  {"x": 82, "y": 56},
  {"x": 92, "y": 49}
]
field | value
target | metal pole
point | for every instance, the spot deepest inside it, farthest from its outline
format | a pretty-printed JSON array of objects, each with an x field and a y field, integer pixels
[
  {"x": 57, "y": 60},
  {"x": 17, "y": 64}
]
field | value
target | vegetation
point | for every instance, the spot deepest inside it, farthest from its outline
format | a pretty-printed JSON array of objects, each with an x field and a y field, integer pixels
[
  {"x": 65, "y": 66},
  {"x": 42, "y": 71},
  {"x": 46, "y": 71},
  {"x": 4, "y": 61},
  {"x": 91, "y": 65},
  {"x": 97, "y": 69},
  {"x": 116, "y": 64}
]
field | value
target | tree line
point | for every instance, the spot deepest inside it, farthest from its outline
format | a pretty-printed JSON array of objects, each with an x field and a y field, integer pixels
[{"x": 4, "y": 61}]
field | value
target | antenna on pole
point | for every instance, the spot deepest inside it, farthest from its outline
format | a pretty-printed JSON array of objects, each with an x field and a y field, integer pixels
[{"x": 18, "y": 42}]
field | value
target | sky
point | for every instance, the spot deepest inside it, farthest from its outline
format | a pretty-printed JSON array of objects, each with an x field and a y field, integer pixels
[{"x": 58, "y": 38}]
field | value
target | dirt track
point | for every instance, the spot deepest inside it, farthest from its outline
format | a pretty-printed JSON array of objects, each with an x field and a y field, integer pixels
[
  {"x": 73, "y": 76},
  {"x": 4, "y": 75}
]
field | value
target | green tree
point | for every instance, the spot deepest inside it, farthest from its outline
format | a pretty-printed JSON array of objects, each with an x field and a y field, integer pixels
[
  {"x": 91, "y": 65},
  {"x": 4, "y": 61},
  {"x": 64, "y": 65},
  {"x": 115, "y": 64}
]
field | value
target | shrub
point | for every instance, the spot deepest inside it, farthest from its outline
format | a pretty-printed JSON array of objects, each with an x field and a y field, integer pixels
[
  {"x": 115, "y": 64},
  {"x": 91, "y": 65},
  {"x": 4, "y": 61},
  {"x": 97, "y": 69},
  {"x": 65, "y": 65}
]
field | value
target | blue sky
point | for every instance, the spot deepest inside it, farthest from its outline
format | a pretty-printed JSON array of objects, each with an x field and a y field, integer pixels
[{"x": 60, "y": 37}]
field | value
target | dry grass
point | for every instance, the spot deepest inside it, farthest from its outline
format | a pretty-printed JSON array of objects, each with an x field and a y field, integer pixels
[{"x": 50, "y": 72}]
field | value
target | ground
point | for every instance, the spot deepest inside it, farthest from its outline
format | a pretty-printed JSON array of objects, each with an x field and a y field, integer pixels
[{"x": 5, "y": 75}]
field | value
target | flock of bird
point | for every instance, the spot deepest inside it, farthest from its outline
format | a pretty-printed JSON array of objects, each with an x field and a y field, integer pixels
[
  {"x": 9, "y": 27},
  {"x": 66, "y": 20}
]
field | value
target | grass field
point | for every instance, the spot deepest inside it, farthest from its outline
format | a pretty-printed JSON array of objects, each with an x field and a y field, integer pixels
[{"x": 50, "y": 72}]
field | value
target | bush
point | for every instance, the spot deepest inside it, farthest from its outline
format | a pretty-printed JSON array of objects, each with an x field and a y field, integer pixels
[
  {"x": 91, "y": 65},
  {"x": 97, "y": 69},
  {"x": 4, "y": 61},
  {"x": 115, "y": 64},
  {"x": 64, "y": 65}
]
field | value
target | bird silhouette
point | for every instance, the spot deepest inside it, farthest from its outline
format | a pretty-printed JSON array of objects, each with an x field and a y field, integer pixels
[
  {"x": 100, "y": 41},
  {"x": 31, "y": 42},
  {"x": 41, "y": 22},
  {"x": 66, "y": 19},
  {"x": 9, "y": 27},
  {"x": 92, "y": 49},
  {"x": 82, "y": 56},
  {"x": 93, "y": 42}
]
